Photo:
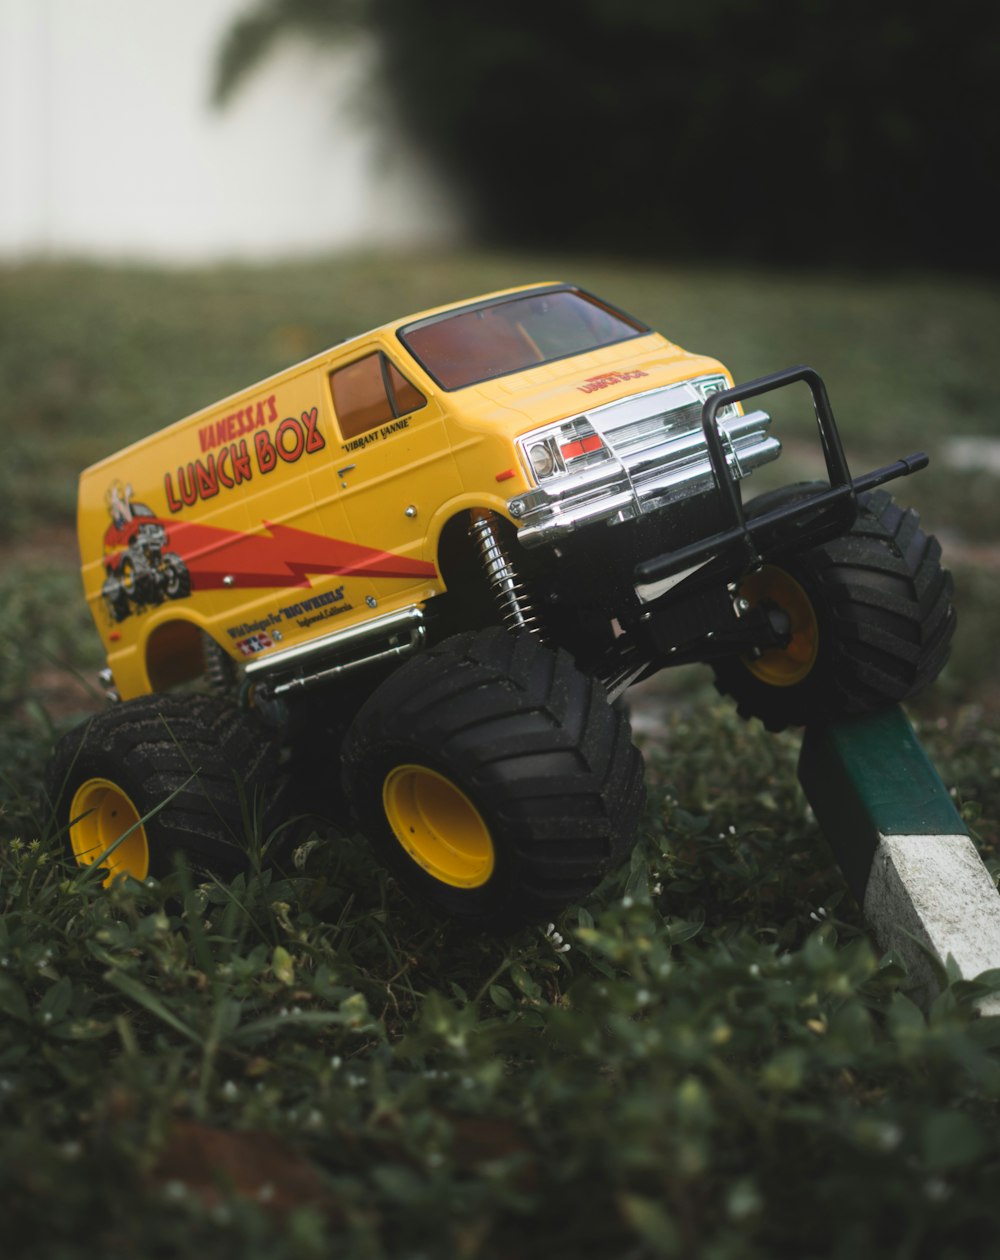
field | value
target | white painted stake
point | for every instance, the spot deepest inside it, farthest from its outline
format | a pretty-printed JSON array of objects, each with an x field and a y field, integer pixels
[{"x": 935, "y": 889}]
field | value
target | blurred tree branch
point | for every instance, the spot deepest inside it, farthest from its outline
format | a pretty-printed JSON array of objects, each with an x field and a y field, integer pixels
[
  {"x": 827, "y": 131},
  {"x": 253, "y": 35}
]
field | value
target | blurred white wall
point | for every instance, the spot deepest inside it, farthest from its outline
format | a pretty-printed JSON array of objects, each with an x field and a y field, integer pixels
[{"x": 109, "y": 148}]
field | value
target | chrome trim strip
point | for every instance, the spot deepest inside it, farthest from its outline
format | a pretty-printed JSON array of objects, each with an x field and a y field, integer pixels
[
  {"x": 305, "y": 681},
  {"x": 407, "y": 620}
]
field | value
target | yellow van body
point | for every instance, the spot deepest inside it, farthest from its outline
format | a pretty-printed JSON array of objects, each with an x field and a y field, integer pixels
[{"x": 264, "y": 522}]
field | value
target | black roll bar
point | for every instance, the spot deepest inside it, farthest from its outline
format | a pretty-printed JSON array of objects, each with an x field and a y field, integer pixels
[{"x": 742, "y": 535}]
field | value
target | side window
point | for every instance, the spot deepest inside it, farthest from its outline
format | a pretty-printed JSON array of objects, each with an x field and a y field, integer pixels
[
  {"x": 408, "y": 398},
  {"x": 369, "y": 392},
  {"x": 359, "y": 396}
]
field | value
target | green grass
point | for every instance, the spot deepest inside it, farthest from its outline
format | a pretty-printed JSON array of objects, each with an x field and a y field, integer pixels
[
  {"x": 303, "y": 1062},
  {"x": 719, "y": 1064}
]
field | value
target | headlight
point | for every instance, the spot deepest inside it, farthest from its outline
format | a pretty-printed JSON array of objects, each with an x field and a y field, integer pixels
[
  {"x": 709, "y": 385},
  {"x": 543, "y": 460},
  {"x": 567, "y": 447}
]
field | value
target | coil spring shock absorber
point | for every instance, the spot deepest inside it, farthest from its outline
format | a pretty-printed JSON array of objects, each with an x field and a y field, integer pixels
[{"x": 512, "y": 599}]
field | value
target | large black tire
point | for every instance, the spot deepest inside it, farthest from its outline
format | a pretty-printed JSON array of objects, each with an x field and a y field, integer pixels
[
  {"x": 494, "y": 778},
  {"x": 881, "y": 616},
  {"x": 107, "y": 774}
]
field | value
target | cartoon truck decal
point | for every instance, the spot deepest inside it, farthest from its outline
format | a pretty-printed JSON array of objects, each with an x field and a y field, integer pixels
[
  {"x": 139, "y": 572},
  {"x": 444, "y": 549}
]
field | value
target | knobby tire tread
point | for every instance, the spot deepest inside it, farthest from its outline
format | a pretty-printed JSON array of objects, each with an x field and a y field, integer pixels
[
  {"x": 886, "y": 604},
  {"x": 516, "y": 725},
  {"x": 151, "y": 747}
]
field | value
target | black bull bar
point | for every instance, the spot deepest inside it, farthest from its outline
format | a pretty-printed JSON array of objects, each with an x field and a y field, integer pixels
[{"x": 742, "y": 545}]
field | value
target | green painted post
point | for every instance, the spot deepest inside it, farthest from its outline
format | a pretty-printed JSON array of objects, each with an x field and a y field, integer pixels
[
  {"x": 904, "y": 850},
  {"x": 870, "y": 777}
]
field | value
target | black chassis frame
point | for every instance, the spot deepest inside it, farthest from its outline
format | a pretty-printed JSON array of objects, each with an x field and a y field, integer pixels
[{"x": 700, "y": 617}]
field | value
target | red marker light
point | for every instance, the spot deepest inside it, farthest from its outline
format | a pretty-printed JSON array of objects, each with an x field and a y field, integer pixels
[
  {"x": 505, "y": 475},
  {"x": 115, "y": 635}
]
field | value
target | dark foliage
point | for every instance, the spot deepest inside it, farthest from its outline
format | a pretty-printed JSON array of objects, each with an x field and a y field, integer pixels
[{"x": 822, "y": 132}]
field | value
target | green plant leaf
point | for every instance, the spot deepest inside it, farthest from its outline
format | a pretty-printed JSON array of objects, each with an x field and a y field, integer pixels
[
  {"x": 13, "y": 1001},
  {"x": 144, "y": 997}
]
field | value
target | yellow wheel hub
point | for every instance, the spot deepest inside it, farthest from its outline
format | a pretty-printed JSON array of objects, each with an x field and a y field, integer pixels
[
  {"x": 438, "y": 826},
  {"x": 103, "y": 813},
  {"x": 783, "y": 666}
]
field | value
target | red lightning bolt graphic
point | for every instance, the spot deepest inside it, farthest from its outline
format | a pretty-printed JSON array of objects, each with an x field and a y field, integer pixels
[{"x": 283, "y": 556}]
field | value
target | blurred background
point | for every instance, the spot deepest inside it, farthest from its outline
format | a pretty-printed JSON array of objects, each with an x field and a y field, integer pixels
[
  {"x": 111, "y": 147},
  {"x": 197, "y": 194},
  {"x": 825, "y": 132}
]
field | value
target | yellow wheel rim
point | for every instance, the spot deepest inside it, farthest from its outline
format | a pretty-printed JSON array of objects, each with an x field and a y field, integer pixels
[
  {"x": 783, "y": 666},
  {"x": 438, "y": 826},
  {"x": 102, "y": 813}
]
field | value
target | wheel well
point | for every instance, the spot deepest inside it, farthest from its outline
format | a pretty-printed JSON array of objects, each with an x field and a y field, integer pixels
[
  {"x": 174, "y": 655},
  {"x": 580, "y": 623},
  {"x": 467, "y": 602},
  {"x": 456, "y": 551}
]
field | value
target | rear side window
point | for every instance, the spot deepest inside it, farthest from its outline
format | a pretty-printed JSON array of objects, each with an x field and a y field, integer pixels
[{"x": 369, "y": 392}]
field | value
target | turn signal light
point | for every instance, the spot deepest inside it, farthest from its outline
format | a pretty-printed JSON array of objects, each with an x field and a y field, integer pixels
[{"x": 582, "y": 446}]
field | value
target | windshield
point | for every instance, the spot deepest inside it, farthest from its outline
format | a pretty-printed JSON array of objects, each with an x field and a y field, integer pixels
[{"x": 510, "y": 334}]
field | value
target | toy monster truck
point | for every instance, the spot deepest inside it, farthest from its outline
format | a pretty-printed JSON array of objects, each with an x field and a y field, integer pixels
[
  {"x": 439, "y": 553},
  {"x": 139, "y": 571}
]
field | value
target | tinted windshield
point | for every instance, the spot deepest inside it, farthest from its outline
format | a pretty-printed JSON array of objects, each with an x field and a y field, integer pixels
[{"x": 511, "y": 334}]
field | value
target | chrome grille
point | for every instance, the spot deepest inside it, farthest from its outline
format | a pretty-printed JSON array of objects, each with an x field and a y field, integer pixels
[{"x": 655, "y": 455}]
